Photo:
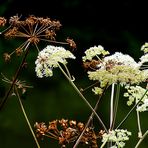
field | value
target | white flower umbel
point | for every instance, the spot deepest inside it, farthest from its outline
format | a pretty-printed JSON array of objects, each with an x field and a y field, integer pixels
[
  {"x": 94, "y": 52},
  {"x": 117, "y": 137},
  {"x": 49, "y": 58},
  {"x": 118, "y": 68},
  {"x": 134, "y": 94}
]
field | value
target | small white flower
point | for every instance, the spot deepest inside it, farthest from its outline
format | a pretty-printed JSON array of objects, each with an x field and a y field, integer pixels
[
  {"x": 134, "y": 94},
  {"x": 94, "y": 52},
  {"x": 49, "y": 58},
  {"x": 97, "y": 90},
  {"x": 145, "y": 48},
  {"x": 143, "y": 59},
  {"x": 117, "y": 137},
  {"x": 143, "y": 107}
]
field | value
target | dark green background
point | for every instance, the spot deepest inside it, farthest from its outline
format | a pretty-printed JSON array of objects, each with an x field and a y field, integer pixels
[{"x": 118, "y": 26}]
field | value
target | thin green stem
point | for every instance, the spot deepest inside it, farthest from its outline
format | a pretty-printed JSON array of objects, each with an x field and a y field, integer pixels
[
  {"x": 112, "y": 104},
  {"x": 83, "y": 98},
  {"x": 115, "y": 106},
  {"x": 27, "y": 120},
  {"x": 103, "y": 144},
  {"x": 131, "y": 110},
  {"x": 67, "y": 70},
  {"x": 139, "y": 125},
  {"x": 139, "y": 142}
]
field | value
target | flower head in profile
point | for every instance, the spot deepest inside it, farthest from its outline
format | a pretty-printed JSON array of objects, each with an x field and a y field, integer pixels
[
  {"x": 49, "y": 58},
  {"x": 93, "y": 52},
  {"x": 134, "y": 94},
  {"x": 116, "y": 68},
  {"x": 117, "y": 137},
  {"x": 32, "y": 30}
]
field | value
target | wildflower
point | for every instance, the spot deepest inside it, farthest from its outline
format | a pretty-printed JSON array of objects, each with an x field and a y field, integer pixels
[
  {"x": 66, "y": 131},
  {"x": 144, "y": 48},
  {"x": 21, "y": 85},
  {"x": 94, "y": 52},
  {"x": 49, "y": 58},
  {"x": 97, "y": 90},
  {"x": 117, "y": 137},
  {"x": 116, "y": 68},
  {"x": 33, "y": 30},
  {"x": 134, "y": 94}
]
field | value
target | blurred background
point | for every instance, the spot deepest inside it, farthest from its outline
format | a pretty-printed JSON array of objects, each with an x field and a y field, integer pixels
[{"x": 116, "y": 25}]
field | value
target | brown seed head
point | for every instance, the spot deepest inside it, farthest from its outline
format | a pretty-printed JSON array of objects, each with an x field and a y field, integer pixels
[
  {"x": 52, "y": 125},
  {"x": 14, "y": 20},
  {"x": 2, "y": 21},
  {"x": 7, "y": 57},
  {"x": 18, "y": 51},
  {"x": 71, "y": 43}
]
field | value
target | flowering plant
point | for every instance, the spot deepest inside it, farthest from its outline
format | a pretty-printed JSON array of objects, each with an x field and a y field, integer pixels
[{"x": 107, "y": 72}]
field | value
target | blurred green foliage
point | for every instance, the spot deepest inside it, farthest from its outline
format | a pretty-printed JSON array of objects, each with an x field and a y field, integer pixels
[{"x": 89, "y": 24}]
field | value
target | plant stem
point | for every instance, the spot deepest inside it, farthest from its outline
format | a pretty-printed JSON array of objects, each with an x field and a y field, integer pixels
[
  {"x": 89, "y": 120},
  {"x": 131, "y": 110},
  {"x": 83, "y": 98},
  {"x": 115, "y": 106},
  {"x": 15, "y": 77},
  {"x": 139, "y": 142},
  {"x": 87, "y": 124},
  {"x": 27, "y": 120},
  {"x": 112, "y": 104},
  {"x": 139, "y": 125}
]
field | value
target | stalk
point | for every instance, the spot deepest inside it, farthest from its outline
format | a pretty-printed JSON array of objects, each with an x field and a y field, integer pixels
[{"x": 26, "y": 118}]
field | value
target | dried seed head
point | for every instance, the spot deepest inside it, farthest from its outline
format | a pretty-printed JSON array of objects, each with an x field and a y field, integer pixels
[
  {"x": 50, "y": 34},
  {"x": 72, "y": 123},
  {"x": 11, "y": 32},
  {"x": 52, "y": 125},
  {"x": 7, "y": 57},
  {"x": 41, "y": 128},
  {"x": 64, "y": 123},
  {"x": 71, "y": 43},
  {"x": 14, "y": 20},
  {"x": 2, "y": 21},
  {"x": 31, "y": 20},
  {"x": 18, "y": 51},
  {"x": 80, "y": 126}
]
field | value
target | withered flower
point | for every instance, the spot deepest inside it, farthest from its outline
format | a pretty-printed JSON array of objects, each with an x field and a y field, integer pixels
[
  {"x": 41, "y": 129},
  {"x": 21, "y": 85},
  {"x": 7, "y": 57},
  {"x": 71, "y": 43},
  {"x": 33, "y": 29},
  {"x": 2, "y": 21},
  {"x": 18, "y": 51},
  {"x": 67, "y": 131}
]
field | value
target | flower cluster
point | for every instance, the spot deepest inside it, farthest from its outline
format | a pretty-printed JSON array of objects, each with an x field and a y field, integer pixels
[
  {"x": 34, "y": 30},
  {"x": 49, "y": 58},
  {"x": 134, "y": 94},
  {"x": 117, "y": 136},
  {"x": 66, "y": 131},
  {"x": 94, "y": 52},
  {"x": 117, "y": 68}
]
